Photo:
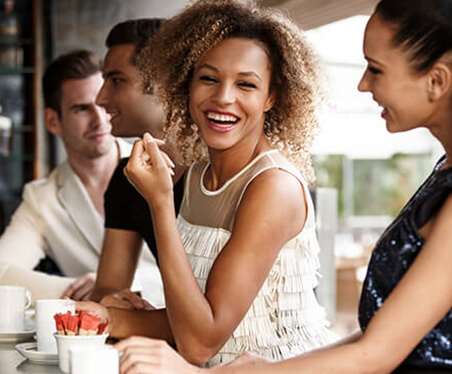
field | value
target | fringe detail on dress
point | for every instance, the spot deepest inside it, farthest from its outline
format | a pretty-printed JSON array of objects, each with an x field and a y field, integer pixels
[
  {"x": 202, "y": 250},
  {"x": 285, "y": 318}
]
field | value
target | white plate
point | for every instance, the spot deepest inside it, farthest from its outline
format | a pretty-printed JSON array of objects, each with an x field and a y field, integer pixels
[
  {"x": 29, "y": 351},
  {"x": 12, "y": 337}
]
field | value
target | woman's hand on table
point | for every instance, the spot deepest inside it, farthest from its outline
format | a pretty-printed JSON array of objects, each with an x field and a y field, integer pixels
[
  {"x": 149, "y": 170},
  {"x": 150, "y": 356},
  {"x": 126, "y": 299}
]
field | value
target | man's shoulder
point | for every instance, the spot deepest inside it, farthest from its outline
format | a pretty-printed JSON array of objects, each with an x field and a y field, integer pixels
[
  {"x": 122, "y": 163},
  {"x": 44, "y": 185},
  {"x": 118, "y": 174},
  {"x": 118, "y": 183}
]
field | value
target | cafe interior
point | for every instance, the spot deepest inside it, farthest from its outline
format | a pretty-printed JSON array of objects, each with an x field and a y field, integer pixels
[{"x": 33, "y": 32}]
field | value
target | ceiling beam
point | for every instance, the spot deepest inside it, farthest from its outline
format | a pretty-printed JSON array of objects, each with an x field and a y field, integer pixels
[{"x": 314, "y": 13}]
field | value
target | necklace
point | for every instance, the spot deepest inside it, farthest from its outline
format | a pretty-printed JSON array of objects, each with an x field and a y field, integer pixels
[{"x": 440, "y": 164}]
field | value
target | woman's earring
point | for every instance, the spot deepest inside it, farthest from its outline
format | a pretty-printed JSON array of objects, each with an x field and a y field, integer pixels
[{"x": 148, "y": 89}]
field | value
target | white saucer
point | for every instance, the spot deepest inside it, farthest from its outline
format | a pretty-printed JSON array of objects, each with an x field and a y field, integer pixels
[
  {"x": 29, "y": 351},
  {"x": 21, "y": 336}
]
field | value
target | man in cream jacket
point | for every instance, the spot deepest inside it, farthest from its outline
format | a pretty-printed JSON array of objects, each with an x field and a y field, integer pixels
[{"x": 62, "y": 216}]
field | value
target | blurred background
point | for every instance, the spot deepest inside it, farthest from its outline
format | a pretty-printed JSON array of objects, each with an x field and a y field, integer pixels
[{"x": 364, "y": 174}]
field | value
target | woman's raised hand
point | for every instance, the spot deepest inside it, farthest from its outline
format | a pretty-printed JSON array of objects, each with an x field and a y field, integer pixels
[{"x": 149, "y": 170}]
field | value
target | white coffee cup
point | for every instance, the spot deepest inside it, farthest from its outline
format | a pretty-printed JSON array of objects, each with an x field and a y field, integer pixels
[
  {"x": 13, "y": 302},
  {"x": 94, "y": 360},
  {"x": 65, "y": 342},
  {"x": 45, "y": 323}
]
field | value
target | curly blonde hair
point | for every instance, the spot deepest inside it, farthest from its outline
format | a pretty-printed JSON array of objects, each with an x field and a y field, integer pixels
[{"x": 169, "y": 58}]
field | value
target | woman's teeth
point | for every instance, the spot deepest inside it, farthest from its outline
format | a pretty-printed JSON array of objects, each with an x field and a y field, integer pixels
[{"x": 222, "y": 119}]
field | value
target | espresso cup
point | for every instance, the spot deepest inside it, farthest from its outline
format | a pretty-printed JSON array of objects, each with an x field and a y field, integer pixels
[
  {"x": 13, "y": 302},
  {"x": 66, "y": 342},
  {"x": 93, "y": 360},
  {"x": 45, "y": 323}
]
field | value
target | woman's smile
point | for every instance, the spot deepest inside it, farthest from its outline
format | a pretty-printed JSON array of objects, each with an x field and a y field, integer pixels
[
  {"x": 221, "y": 121},
  {"x": 230, "y": 93}
]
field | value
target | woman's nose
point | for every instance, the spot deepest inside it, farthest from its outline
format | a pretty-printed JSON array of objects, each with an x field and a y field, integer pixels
[
  {"x": 224, "y": 94},
  {"x": 363, "y": 84}
]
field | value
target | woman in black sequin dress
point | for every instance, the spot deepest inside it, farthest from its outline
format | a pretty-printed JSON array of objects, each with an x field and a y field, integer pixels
[{"x": 405, "y": 310}]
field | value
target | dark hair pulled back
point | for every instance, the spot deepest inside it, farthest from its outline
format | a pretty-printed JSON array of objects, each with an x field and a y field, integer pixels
[{"x": 424, "y": 28}]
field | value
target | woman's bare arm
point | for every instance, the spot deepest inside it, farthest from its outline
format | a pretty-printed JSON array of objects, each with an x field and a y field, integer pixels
[
  {"x": 120, "y": 253},
  {"x": 272, "y": 211},
  {"x": 415, "y": 307}
]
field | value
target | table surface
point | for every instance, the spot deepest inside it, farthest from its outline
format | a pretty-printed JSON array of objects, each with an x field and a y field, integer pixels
[{"x": 12, "y": 362}]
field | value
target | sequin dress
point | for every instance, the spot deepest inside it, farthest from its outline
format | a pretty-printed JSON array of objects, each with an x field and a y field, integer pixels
[
  {"x": 393, "y": 255},
  {"x": 285, "y": 318}
]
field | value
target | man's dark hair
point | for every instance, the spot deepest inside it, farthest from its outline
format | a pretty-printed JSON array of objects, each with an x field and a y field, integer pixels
[
  {"x": 77, "y": 64},
  {"x": 135, "y": 31}
]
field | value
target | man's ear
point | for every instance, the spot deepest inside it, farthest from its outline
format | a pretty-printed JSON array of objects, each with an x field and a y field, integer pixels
[
  {"x": 52, "y": 120},
  {"x": 271, "y": 99},
  {"x": 439, "y": 81}
]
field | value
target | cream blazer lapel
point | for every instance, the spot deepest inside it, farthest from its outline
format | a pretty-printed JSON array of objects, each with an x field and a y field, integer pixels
[{"x": 77, "y": 203}]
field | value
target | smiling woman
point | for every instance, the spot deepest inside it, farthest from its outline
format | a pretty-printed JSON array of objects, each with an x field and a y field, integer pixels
[
  {"x": 241, "y": 93},
  {"x": 230, "y": 94},
  {"x": 240, "y": 85},
  {"x": 390, "y": 79},
  {"x": 295, "y": 76}
]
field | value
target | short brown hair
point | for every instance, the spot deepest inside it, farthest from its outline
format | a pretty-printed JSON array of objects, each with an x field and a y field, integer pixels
[
  {"x": 133, "y": 31},
  {"x": 77, "y": 64}
]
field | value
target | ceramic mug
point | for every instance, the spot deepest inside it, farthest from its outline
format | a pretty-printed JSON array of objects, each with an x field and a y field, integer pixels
[
  {"x": 13, "y": 302},
  {"x": 93, "y": 360},
  {"x": 65, "y": 342},
  {"x": 45, "y": 323}
]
